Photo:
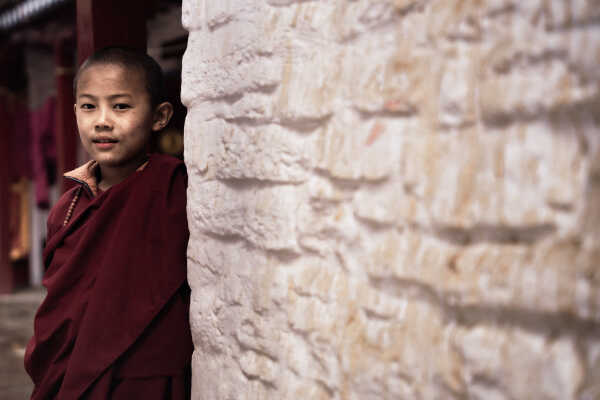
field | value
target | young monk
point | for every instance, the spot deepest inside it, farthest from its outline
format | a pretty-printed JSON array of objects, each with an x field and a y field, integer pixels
[{"x": 114, "y": 324}]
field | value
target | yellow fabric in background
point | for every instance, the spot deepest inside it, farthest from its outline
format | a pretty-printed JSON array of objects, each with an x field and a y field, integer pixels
[{"x": 20, "y": 220}]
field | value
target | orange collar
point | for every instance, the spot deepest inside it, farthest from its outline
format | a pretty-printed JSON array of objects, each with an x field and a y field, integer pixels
[{"x": 87, "y": 175}]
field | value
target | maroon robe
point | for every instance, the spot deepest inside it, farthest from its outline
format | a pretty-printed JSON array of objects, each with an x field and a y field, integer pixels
[{"x": 114, "y": 324}]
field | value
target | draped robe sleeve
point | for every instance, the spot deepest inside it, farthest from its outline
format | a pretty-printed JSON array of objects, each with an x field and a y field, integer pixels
[{"x": 114, "y": 323}]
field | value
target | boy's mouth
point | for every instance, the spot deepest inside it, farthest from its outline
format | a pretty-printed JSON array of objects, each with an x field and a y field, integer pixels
[
  {"x": 104, "y": 143},
  {"x": 104, "y": 140}
]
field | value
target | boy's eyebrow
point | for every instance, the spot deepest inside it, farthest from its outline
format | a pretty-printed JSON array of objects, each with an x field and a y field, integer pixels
[{"x": 112, "y": 96}]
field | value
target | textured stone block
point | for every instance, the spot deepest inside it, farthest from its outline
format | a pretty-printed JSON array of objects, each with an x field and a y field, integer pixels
[
  {"x": 458, "y": 88},
  {"x": 245, "y": 64},
  {"x": 371, "y": 152},
  {"x": 267, "y": 153},
  {"x": 262, "y": 215},
  {"x": 193, "y": 15},
  {"x": 547, "y": 369}
]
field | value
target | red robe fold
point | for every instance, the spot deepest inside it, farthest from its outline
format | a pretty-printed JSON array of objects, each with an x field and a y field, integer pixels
[{"x": 114, "y": 324}]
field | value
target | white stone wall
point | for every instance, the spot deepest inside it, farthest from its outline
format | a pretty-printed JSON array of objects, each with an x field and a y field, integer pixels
[{"x": 394, "y": 199}]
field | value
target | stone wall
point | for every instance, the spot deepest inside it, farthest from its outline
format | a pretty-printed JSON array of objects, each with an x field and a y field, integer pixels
[{"x": 394, "y": 199}]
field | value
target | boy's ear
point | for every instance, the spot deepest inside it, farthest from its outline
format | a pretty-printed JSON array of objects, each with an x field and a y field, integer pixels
[{"x": 162, "y": 115}]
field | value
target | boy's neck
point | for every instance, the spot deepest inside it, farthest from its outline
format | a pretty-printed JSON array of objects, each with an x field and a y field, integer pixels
[{"x": 112, "y": 175}]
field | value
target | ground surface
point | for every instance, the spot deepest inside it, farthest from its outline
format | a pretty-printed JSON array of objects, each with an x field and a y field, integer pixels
[{"x": 16, "y": 326}]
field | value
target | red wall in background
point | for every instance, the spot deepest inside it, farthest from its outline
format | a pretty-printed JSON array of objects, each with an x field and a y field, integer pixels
[{"x": 102, "y": 23}]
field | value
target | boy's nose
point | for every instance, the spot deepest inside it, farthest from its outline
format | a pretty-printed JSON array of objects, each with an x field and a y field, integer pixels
[
  {"x": 101, "y": 126},
  {"x": 102, "y": 123}
]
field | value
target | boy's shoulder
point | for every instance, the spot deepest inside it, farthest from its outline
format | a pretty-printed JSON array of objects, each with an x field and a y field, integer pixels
[
  {"x": 157, "y": 165},
  {"x": 162, "y": 169},
  {"x": 163, "y": 161}
]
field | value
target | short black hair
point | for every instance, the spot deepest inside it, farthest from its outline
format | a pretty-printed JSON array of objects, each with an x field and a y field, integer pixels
[{"x": 129, "y": 58}]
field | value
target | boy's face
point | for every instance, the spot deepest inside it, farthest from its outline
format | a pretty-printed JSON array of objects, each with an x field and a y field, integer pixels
[{"x": 114, "y": 115}]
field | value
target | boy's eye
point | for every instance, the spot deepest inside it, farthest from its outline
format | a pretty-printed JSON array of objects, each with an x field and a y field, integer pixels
[
  {"x": 122, "y": 106},
  {"x": 87, "y": 106}
]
